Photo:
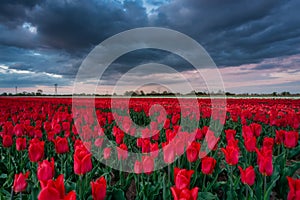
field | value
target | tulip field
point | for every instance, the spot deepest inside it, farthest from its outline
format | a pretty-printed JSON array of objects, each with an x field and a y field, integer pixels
[{"x": 51, "y": 151}]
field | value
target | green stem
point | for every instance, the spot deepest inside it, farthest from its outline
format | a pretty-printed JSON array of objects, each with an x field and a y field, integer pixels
[
  {"x": 61, "y": 165},
  {"x": 231, "y": 180},
  {"x": 203, "y": 182},
  {"x": 20, "y": 195},
  {"x": 80, "y": 187},
  {"x": 12, "y": 194},
  {"x": 246, "y": 193},
  {"x": 265, "y": 184}
]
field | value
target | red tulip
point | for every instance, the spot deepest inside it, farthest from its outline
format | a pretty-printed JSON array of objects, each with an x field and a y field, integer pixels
[
  {"x": 279, "y": 138},
  {"x": 169, "y": 153},
  {"x": 45, "y": 170},
  {"x": 247, "y": 132},
  {"x": 20, "y": 183},
  {"x": 20, "y": 144},
  {"x": 211, "y": 140},
  {"x": 154, "y": 149},
  {"x": 250, "y": 143},
  {"x": 294, "y": 185},
  {"x": 122, "y": 151},
  {"x": 256, "y": 129},
  {"x": 61, "y": 145},
  {"x": 99, "y": 189},
  {"x": 182, "y": 178},
  {"x": 264, "y": 159},
  {"x": 36, "y": 150},
  {"x": 247, "y": 175},
  {"x": 138, "y": 167},
  {"x": 208, "y": 165},
  {"x": 192, "y": 151},
  {"x": 185, "y": 194},
  {"x": 230, "y": 134},
  {"x": 291, "y": 139},
  {"x": 148, "y": 164},
  {"x": 98, "y": 142},
  {"x": 82, "y": 160},
  {"x": 106, "y": 153},
  {"x": 268, "y": 143},
  {"x": 7, "y": 141},
  {"x": 231, "y": 154},
  {"x": 55, "y": 190},
  {"x": 120, "y": 137}
]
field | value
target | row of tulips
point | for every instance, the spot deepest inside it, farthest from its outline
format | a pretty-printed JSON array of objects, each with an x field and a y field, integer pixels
[{"x": 255, "y": 157}]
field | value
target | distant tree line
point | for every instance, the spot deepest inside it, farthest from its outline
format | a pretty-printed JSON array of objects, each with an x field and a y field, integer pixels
[{"x": 141, "y": 93}]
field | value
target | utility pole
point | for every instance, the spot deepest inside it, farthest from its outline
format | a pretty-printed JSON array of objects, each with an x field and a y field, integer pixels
[{"x": 55, "y": 88}]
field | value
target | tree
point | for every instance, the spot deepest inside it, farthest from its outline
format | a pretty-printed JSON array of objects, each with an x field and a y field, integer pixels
[{"x": 39, "y": 92}]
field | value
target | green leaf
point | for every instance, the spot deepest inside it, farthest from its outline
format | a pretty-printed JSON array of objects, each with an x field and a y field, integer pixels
[
  {"x": 118, "y": 194},
  {"x": 207, "y": 196},
  {"x": 250, "y": 191},
  {"x": 269, "y": 190}
]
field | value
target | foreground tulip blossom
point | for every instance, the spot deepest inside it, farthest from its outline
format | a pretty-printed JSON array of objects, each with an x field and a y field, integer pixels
[
  {"x": 231, "y": 154},
  {"x": 184, "y": 194},
  {"x": 182, "y": 178},
  {"x": 82, "y": 160},
  {"x": 45, "y": 170},
  {"x": 247, "y": 175},
  {"x": 20, "y": 144},
  {"x": 36, "y": 150},
  {"x": 61, "y": 145},
  {"x": 208, "y": 165},
  {"x": 55, "y": 190},
  {"x": 20, "y": 182},
  {"x": 99, "y": 189},
  {"x": 265, "y": 162},
  {"x": 294, "y": 185}
]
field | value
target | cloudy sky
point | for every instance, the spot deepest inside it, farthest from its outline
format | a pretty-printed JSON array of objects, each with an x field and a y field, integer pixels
[{"x": 255, "y": 44}]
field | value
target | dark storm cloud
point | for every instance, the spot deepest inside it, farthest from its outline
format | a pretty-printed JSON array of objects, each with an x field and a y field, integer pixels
[{"x": 237, "y": 32}]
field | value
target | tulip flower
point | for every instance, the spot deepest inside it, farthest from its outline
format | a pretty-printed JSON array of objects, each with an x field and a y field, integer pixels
[
  {"x": 182, "y": 178},
  {"x": 55, "y": 189},
  {"x": 148, "y": 164},
  {"x": 291, "y": 139},
  {"x": 122, "y": 151},
  {"x": 138, "y": 167},
  {"x": 36, "y": 150},
  {"x": 20, "y": 144},
  {"x": 154, "y": 149},
  {"x": 230, "y": 134},
  {"x": 256, "y": 129},
  {"x": 7, "y": 141},
  {"x": 184, "y": 194},
  {"x": 250, "y": 143},
  {"x": 99, "y": 189},
  {"x": 45, "y": 170},
  {"x": 208, "y": 165},
  {"x": 264, "y": 159},
  {"x": 82, "y": 160},
  {"x": 294, "y": 185},
  {"x": 169, "y": 153},
  {"x": 279, "y": 138},
  {"x": 20, "y": 182},
  {"x": 61, "y": 145},
  {"x": 268, "y": 143},
  {"x": 193, "y": 151},
  {"x": 106, "y": 153},
  {"x": 231, "y": 154},
  {"x": 247, "y": 175}
]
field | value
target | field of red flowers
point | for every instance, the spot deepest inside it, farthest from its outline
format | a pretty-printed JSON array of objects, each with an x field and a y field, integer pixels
[{"x": 47, "y": 150}]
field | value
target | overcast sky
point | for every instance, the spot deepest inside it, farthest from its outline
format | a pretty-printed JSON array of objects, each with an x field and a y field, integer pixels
[{"x": 255, "y": 44}]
